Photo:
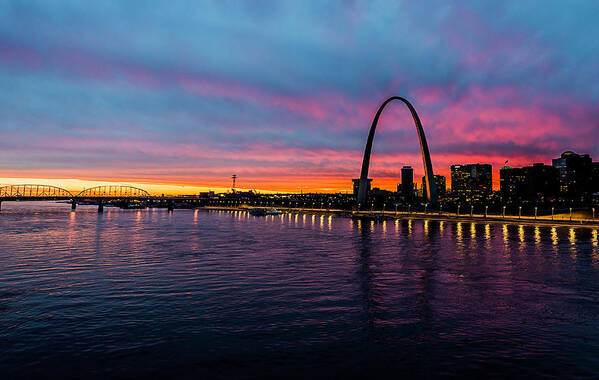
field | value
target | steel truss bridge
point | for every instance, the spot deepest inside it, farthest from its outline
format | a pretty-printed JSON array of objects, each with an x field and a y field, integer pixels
[{"x": 100, "y": 195}]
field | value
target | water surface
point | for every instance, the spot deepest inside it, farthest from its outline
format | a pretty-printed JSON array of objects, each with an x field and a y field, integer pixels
[{"x": 132, "y": 293}]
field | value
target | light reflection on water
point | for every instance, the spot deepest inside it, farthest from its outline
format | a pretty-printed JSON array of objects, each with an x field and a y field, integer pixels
[{"x": 140, "y": 292}]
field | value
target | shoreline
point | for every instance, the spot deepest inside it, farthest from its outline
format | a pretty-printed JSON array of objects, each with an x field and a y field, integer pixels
[{"x": 390, "y": 215}]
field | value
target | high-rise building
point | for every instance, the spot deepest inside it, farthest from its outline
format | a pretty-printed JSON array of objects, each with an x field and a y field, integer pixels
[
  {"x": 357, "y": 186},
  {"x": 472, "y": 181},
  {"x": 512, "y": 182},
  {"x": 595, "y": 186},
  {"x": 575, "y": 175},
  {"x": 407, "y": 182},
  {"x": 542, "y": 181},
  {"x": 440, "y": 182},
  {"x": 537, "y": 182}
]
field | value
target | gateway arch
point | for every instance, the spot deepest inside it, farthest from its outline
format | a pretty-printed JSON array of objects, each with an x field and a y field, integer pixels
[{"x": 431, "y": 186}]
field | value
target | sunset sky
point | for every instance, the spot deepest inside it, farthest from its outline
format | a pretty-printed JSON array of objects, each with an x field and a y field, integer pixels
[{"x": 282, "y": 93}]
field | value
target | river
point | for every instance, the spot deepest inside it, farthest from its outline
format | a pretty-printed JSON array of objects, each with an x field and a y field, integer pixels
[{"x": 218, "y": 294}]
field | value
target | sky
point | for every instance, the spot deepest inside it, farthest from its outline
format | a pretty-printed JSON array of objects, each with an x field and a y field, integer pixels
[{"x": 183, "y": 94}]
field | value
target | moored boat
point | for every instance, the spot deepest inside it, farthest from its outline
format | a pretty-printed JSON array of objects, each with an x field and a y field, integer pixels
[{"x": 264, "y": 211}]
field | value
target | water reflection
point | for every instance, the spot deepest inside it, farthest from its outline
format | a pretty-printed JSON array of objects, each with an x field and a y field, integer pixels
[
  {"x": 572, "y": 240},
  {"x": 521, "y": 234},
  {"x": 420, "y": 287},
  {"x": 365, "y": 276},
  {"x": 408, "y": 294},
  {"x": 473, "y": 240},
  {"x": 537, "y": 236},
  {"x": 595, "y": 244}
]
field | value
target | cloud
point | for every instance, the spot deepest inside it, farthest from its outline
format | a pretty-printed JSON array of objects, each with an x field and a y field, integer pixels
[{"x": 286, "y": 90}]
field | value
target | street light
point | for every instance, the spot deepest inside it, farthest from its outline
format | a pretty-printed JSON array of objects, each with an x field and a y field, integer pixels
[
  {"x": 570, "y": 213},
  {"x": 552, "y": 210},
  {"x": 425, "y": 207},
  {"x": 593, "y": 214},
  {"x": 459, "y": 210},
  {"x": 519, "y": 212},
  {"x": 503, "y": 212},
  {"x": 486, "y": 210},
  {"x": 536, "y": 208},
  {"x": 471, "y": 210}
]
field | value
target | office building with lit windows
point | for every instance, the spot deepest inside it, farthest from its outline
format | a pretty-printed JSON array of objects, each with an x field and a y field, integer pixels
[
  {"x": 440, "y": 182},
  {"x": 537, "y": 182},
  {"x": 472, "y": 181},
  {"x": 575, "y": 175}
]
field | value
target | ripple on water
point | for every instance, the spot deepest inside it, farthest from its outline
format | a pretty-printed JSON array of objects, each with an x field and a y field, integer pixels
[{"x": 227, "y": 294}]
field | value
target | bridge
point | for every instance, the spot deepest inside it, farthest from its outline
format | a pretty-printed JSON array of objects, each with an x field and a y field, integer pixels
[{"x": 97, "y": 195}]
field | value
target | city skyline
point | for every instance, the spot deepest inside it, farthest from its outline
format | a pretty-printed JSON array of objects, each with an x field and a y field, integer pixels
[
  {"x": 167, "y": 104},
  {"x": 448, "y": 184}
]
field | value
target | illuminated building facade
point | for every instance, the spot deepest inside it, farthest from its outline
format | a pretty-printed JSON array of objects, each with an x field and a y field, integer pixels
[
  {"x": 441, "y": 183},
  {"x": 472, "y": 181},
  {"x": 575, "y": 175},
  {"x": 537, "y": 182}
]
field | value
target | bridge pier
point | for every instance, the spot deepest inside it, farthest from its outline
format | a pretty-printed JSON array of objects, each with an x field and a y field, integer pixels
[
  {"x": 171, "y": 206},
  {"x": 73, "y": 205},
  {"x": 100, "y": 207}
]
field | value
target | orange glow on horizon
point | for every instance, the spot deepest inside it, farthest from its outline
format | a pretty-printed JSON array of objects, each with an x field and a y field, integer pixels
[{"x": 266, "y": 185}]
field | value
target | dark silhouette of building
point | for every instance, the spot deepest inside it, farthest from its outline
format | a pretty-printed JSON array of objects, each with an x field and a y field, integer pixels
[
  {"x": 512, "y": 182},
  {"x": 472, "y": 181},
  {"x": 441, "y": 183},
  {"x": 538, "y": 182},
  {"x": 575, "y": 175},
  {"x": 542, "y": 182},
  {"x": 595, "y": 186},
  {"x": 407, "y": 182},
  {"x": 357, "y": 186}
]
